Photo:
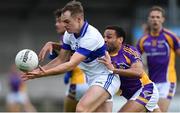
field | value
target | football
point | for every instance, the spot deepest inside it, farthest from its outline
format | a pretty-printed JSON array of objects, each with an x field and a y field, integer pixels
[{"x": 26, "y": 60}]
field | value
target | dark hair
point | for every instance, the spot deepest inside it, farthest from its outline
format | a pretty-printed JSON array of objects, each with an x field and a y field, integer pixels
[
  {"x": 74, "y": 7},
  {"x": 57, "y": 13},
  {"x": 157, "y": 8},
  {"x": 119, "y": 31}
]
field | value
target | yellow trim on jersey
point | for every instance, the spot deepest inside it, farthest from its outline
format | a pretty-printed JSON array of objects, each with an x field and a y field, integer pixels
[
  {"x": 172, "y": 34},
  {"x": 155, "y": 34},
  {"x": 171, "y": 74},
  {"x": 78, "y": 76},
  {"x": 171, "y": 94},
  {"x": 141, "y": 42},
  {"x": 170, "y": 41},
  {"x": 115, "y": 54},
  {"x": 143, "y": 99},
  {"x": 127, "y": 59},
  {"x": 145, "y": 79},
  {"x": 131, "y": 51}
]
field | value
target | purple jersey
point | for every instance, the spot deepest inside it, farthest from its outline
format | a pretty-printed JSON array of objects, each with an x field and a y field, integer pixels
[
  {"x": 160, "y": 51},
  {"x": 126, "y": 56},
  {"x": 15, "y": 82}
]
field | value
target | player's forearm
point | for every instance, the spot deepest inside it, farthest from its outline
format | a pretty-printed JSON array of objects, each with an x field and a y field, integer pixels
[
  {"x": 129, "y": 72},
  {"x": 59, "y": 69},
  {"x": 53, "y": 63}
]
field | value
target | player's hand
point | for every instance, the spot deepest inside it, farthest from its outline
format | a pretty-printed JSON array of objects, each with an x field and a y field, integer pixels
[
  {"x": 37, "y": 73},
  {"x": 48, "y": 48},
  {"x": 106, "y": 60}
]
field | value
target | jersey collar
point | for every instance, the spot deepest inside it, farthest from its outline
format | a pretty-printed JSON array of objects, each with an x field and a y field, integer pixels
[
  {"x": 156, "y": 34},
  {"x": 82, "y": 31}
]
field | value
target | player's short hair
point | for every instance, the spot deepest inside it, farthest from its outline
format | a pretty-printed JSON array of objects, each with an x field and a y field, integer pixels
[
  {"x": 57, "y": 13},
  {"x": 75, "y": 7},
  {"x": 157, "y": 8},
  {"x": 119, "y": 31}
]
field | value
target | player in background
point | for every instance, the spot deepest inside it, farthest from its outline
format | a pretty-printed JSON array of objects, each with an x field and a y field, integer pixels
[
  {"x": 75, "y": 79},
  {"x": 160, "y": 46},
  {"x": 17, "y": 100},
  {"x": 87, "y": 44},
  {"x": 136, "y": 87}
]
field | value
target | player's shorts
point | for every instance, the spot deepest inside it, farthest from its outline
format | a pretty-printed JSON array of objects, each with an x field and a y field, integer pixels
[
  {"x": 110, "y": 83},
  {"x": 76, "y": 91},
  {"x": 147, "y": 96},
  {"x": 166, "y": 89},
  {"x": 17, "y": 97}
]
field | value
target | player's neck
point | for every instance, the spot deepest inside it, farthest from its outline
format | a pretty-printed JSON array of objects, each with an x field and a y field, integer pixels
[
  {"x": 116, "y": 51},
  {"x": 156, "y": 32},
  {"x": 80, "y": 27}
]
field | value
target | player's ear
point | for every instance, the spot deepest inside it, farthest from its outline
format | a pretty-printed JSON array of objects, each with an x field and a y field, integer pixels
[{"x": 121, "y": 39}]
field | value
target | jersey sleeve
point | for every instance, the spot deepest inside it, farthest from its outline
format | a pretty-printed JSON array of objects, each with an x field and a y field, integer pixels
[
  {"x": 176, "y": 42},
  {"x": 172, "y": 39},
  {"x": 138, "y": 46},
  {"x": 133, "y": 54}
]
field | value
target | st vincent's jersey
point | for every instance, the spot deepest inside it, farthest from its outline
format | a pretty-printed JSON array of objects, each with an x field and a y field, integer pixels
[
  {"x": 126, "y": 56},
  {"x": 160, "y": 50},
  {"x": 89, "y": 43},
  {"x": 78, "y": 76}
]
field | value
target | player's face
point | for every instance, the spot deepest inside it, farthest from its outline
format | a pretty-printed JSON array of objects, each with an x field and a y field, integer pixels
[
  {"x": 155, "y": 20},
  {"x": 71, "y": 23},
  {"x": 59, "y": 26},
  {"x": 112, "y": 41}
]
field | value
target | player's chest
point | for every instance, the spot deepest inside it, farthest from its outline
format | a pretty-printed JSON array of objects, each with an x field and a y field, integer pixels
[
  {"x": 155, "y": 46},
  {"x": 120, "y": 62},
  {"x": 75, "y": 44}
]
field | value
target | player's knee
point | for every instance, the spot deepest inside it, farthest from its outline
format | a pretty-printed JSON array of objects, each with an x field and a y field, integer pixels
[{"x": 81, "y": 108}]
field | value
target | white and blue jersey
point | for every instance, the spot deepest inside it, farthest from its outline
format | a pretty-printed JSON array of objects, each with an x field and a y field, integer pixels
[{"x": 90, "y": 43}]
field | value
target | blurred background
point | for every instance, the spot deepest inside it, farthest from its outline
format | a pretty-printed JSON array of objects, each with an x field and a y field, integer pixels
[{"x": 30, "y": 24}]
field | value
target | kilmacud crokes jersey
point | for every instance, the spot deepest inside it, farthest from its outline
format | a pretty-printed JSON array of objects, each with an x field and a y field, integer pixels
[
  {"x": 126, "y": 56},
  {"x": 160, "y": 50}
]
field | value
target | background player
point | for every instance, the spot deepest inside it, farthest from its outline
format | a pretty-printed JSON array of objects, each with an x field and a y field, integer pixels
[
  {"x": 17, "y": 99},
  {"x": 136, "y": 87},
  {"x": 76, "y": 78},
  {"x": 88, "y": 44},
  {"x": 160, "y": 46}
]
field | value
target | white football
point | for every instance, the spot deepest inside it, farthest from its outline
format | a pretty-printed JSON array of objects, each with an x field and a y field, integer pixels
[{"x": 26, "y": 60}]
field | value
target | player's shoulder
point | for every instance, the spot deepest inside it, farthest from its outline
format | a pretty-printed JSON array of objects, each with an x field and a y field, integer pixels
[
  {"x": 130, "y": 50},
  {"x": 93, "y": 33},
  {"x": 144, "y": 37},
  {"x": 169, "y": 32},
  {"x": 93, "y": 30},
  {"x": 129, "y": 47}
]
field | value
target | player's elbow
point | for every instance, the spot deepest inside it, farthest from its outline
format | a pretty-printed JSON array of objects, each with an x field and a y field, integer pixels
[{"x": 71, "y": 66}]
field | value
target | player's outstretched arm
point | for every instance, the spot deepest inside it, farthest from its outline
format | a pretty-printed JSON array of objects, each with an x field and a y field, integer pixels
[
  {"x": 59, "y": 69},
  {"x": 135, "y": 70},
  {"x": 48, "y": 48}
]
